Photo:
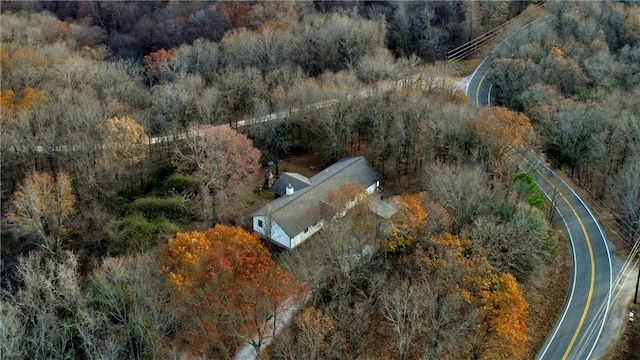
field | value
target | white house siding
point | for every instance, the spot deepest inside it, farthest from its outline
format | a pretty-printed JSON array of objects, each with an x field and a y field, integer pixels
[
  {"x": 298, "y": 239},
  {"x": 277, "y": 234},
  {"x": 289, "y": 210},
  {"x": 371, "y": 189}
]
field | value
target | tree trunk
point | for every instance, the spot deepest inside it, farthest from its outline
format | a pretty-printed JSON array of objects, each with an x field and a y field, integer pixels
[{"x": 212, "y": 192}]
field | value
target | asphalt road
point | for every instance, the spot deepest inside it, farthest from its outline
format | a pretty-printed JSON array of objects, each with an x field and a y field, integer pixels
[
  {"x": 582, "y": 320},
  {"x": 478, "y": 89}
]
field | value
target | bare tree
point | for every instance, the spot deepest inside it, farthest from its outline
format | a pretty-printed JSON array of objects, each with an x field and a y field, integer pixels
[
  {"x": 519, "y": 245},
  {"x": 463, "y": 191},
  {"x": 133, "y": 294},
  {"x": 206, "y": 107},
  {"x": 602, "y": 68},
  {"x": 511, "y": 77},
  {"x": 43, "y": 308},
  {"x": 13, "y": 331},
  {"x": 174, "y": 103},
  {"x": 572, "y": 136},
  {"x": 42, "y": 207},
  {"x": 241, "y": 90},
  {"x": 403, "y": 306},
  {"x": 628, "y": 196},
  {"x": 448, "y": 321},
  {"x": 240, "y": 49},
  {"x": 376, "y": 67},
  {"x": 336, "y": 42}
]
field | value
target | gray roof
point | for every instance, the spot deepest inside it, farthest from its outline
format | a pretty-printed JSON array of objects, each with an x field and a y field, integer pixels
[
  {"x": 382, "y": 208},
  {"x": 306, "y": 207},
  {"x": 298, "y": 182}
]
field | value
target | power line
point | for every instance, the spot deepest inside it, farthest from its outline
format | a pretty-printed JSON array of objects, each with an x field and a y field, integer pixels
[{"x": 467, "y": 49}]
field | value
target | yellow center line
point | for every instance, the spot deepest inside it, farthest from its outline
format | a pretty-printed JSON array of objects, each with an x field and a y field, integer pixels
[
  {"x": 478, "y": 89},
  {"x": 591, "y": 256},
  {"x": 591, "y": 283}
]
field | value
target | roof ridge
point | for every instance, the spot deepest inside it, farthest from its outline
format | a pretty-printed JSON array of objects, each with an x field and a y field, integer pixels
[
  {"x": 307, "y": 189},
  {"x": 297, "y": 176},
  {"x": 313, "y": 186}
]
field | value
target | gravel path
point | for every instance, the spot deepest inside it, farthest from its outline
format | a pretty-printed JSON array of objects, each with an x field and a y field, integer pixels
[{"x": 622, "y": 293}]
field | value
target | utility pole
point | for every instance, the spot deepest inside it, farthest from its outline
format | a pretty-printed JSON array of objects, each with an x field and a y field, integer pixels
[{"x": 635, "y": 299}]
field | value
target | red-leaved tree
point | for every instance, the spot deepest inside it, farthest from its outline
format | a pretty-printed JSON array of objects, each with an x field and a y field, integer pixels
[
  {"x": 222, "y": 157},
  {"x": 228, "y": 286},
  {"x": 159, "y": 65}
]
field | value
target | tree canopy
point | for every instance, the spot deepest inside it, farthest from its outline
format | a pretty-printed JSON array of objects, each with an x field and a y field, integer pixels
[{"x": 228, "y": 286}]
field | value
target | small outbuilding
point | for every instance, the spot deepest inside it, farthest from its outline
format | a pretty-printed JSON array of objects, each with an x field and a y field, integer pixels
[
  {"x": 300, "y": 208},
  {"x": 292, "y": 181}
]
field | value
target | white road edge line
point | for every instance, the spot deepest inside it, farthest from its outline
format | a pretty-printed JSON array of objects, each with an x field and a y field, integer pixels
[
  {"x": 604, "y": 239},
  {"x": 573, "y": 283}
]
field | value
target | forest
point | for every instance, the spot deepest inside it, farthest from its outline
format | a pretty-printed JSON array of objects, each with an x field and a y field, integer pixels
[
  {"x": 577, "y": 80},
  {"x": 132, "y": 157}
]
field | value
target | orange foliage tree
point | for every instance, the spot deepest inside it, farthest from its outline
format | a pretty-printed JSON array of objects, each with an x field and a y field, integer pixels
[
  {"x": 27, "y": 67},
  {"x": 409, "y": 224},
  {"x": 446, "y": 273},
  {"x": 500, "y": 128},
  {"x": 29, "y": 98},
  {"x": 502, "y": 310},
  {"x": 42, "y": 207},
  {"x": 499, "y": 307},
  {"x": 503, "y": 331},
  {"x": 5, "y": 59},
  {"x": 630, "y": 31},
  {"x": 413, "y": 211},
  {"x": 398, "y": 241},
  {"x": 7, "y": 101},
  {"x": 123, "y": 136},
  {"x": 228, "y": 285},
  {"x": 124, "y": 147},
  {"x": 455, "y": 260},
  {"x": 346, "y": 197},
  {"x": 313, "y": 329}
]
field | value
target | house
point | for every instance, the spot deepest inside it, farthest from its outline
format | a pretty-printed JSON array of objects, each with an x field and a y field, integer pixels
[
  {"x": 289, "y": 180},
  {"x": 301, "y": 209}
]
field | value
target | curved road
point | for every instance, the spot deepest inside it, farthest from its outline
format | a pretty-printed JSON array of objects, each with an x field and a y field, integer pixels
[
  {"x": 578, "y": 329},
  {"x": 478, "y": 89}
]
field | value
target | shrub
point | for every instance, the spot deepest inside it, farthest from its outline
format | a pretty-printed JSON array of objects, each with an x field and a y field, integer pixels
[
  {"x": 172, "y": 208},
  {"x": 165, "y": 227},
  {"x": 130, "y": 235},
  {"x": 151, "y": 188},
  {"x": 163, "y": 171},
  {"x": 180, "y": 182},
  {"x": 128, "y": 193},
  {"x": 535, "y": 197}
]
